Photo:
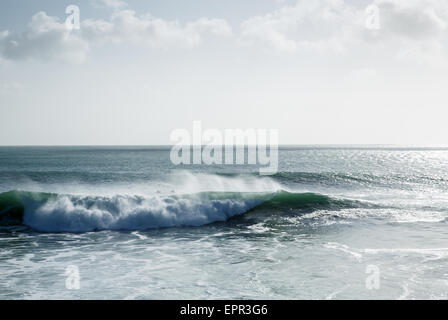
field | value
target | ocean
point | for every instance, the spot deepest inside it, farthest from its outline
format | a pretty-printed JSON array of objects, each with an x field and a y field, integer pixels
[{"x": 335, "y": 222}]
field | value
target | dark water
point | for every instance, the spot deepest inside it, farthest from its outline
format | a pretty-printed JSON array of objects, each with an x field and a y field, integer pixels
[{"x": 138, "y": 227}]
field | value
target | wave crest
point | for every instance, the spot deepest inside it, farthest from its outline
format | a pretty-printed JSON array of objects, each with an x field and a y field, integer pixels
[{"x": 68, "y": 213}]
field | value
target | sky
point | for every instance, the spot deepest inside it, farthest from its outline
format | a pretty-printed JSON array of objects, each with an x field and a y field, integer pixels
[{"x": 321, "y": 71}]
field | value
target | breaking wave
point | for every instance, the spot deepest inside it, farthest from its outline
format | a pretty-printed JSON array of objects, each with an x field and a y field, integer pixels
[{"x": 50, "y": 212}]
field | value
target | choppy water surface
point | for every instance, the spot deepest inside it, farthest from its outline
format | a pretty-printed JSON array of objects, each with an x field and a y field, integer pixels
[{"x": 138, "y": 227}]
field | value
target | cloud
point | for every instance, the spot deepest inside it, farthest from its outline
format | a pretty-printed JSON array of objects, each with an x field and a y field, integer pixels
[
  {"x": 48, "y": 38},
  {"x": 127, "y": 26},
  {"x": 45, "y": 38},
  {"x": 316, "y": 25},
  {"x": 414, "y": 19},
  {"x": 413, "y": 30}
]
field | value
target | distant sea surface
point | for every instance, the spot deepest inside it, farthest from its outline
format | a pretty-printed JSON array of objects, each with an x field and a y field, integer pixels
[{"x": 335, "y": 222}]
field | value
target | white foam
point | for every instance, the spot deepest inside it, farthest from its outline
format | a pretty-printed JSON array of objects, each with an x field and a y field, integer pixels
[{"x": 122, "y": 212}]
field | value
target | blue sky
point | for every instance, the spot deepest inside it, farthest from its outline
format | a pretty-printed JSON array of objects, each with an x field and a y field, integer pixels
[{"x": 137, "y": 70}]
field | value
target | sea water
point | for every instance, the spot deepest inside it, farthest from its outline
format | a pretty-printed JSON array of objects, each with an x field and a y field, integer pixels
[{"x": 335, "y": 222}]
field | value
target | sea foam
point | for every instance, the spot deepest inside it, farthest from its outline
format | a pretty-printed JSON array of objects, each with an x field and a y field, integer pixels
[{"x": 122, "y": 212}]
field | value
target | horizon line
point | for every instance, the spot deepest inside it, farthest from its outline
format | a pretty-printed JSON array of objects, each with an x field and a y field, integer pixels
[{"x": 237, "y": 145}]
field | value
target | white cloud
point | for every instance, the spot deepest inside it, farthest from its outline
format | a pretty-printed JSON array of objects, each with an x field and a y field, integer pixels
[
  {"x": 126, "y": 25},
  {"x": 212, "y": 26},
  {"x": 415, "y": 19},
  {"x": 410, "y": 30},
  {"x": 413, "y": 31},
  {"x": 45, "y": 38},
  {"x": 48, "y": 38},
  {"x": 316, "y": 25}
]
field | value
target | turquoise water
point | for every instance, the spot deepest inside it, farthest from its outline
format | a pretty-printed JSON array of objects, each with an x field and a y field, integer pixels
[{"x": 138, "y": 227}]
